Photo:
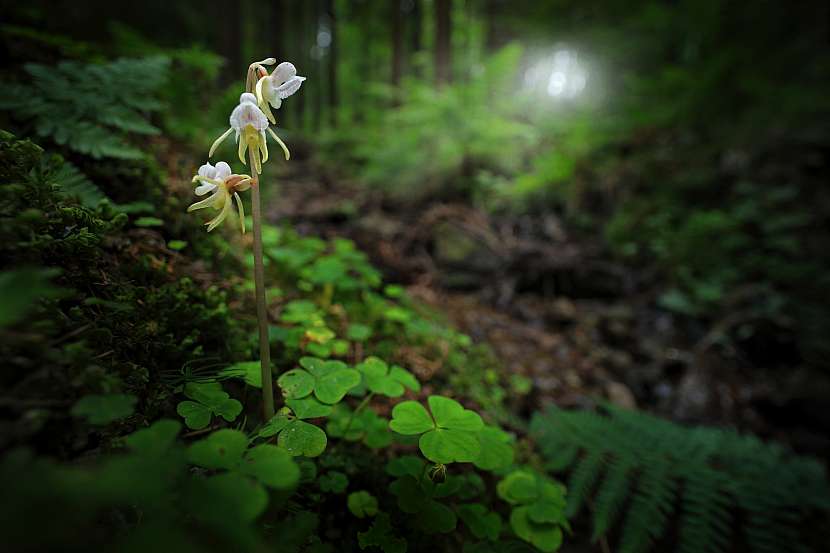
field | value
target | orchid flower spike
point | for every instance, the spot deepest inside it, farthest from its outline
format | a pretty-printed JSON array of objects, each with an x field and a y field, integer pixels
[
  {"x": 274, "y": 88},
  {"x": 250, "y": 124},
  {"x": 223, "y": 184}
]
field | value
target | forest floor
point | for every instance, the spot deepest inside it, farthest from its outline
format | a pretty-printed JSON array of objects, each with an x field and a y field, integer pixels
[{"x": 555, "y": 309}]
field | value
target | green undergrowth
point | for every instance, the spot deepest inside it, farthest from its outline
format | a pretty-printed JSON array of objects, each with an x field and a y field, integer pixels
[{"x": 131, "y": 402}]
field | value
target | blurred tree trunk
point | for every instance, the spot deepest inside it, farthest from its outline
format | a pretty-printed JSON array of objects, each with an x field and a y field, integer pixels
[
  {"x": 332, "y": 15},
  {"x": 317, "y": 62},
  {"x": 443, "y": 29},
  {"x": 397, "y": 41},
  {"x": 417, "y": 23},
  {"x": 231, "y": 39}
]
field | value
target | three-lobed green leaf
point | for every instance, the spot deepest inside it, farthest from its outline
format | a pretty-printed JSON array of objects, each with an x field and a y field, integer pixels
[{"x": 448, "y": 435}]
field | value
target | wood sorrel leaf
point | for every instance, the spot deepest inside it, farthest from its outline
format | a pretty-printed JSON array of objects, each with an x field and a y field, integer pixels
[
  {"x": 410, "y": 417},
  {"x": 377, "y": 378},
  {"x": 156, "y": 440},
  {"x": 272, "y": 466},
  {"x": 104, "y": 408},
  {"x": 518, "y": 487},
  {"x": 482, "y": 523},
  {"x": 302, "y": 438},
  {"x": 335, "y": 384},
  {"x": 333, "y": 481},
  {"x": 223, "y": 449},
  {"x": 228, "y": 409},
  {"x": 225, "y": 495},
  {"x": 448, "y": 413},
  {"x": 546, "y": 537},
  {"x": 308, "y": 408},
  {"x": 405, "y": 377},
  {"x": 296, "y": 383},
  {"x": 362, "y": 504},
  {"x": 275, "y": 425},
  {"x": 196, "y": 415},
  {"x": 444, "y": 445},
  {"x": 496, "y": 451}
]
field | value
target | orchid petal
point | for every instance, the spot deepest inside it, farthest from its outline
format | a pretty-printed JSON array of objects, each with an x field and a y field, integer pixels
[
  {"x": 289, "y": 87},
  {"x": 281, "y": 143},
  {"x": 205, "y": 188},
  {"x": 263, "y": 147},
  {"x": 241, "y": 211},
  {"x": 219, "y": 141},
  {"x": 243, "y": 145},
  {"x": 283, "y": 72},
  {"x": 215, "y": 222},
  {"x": 207, "y": 202},
  {"x": 207, "y": 170},
  {"x": 223, "y": 171}
]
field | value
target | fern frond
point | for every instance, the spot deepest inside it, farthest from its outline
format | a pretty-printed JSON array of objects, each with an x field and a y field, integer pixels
[
  {"x": 90, "y": 108},
  {"x": 712, "y": 479},
  {"x": 584, "y": 476},
  {"x": 653, "y": 503},
  {"x": 611, "y": 495}
]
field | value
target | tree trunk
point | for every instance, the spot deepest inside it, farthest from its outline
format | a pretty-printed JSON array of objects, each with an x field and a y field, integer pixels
[
  {"x": 443, "y": 29},
  {"x": 416, "y": 21},
  {"x": 397, "y": 42},
  {"x": 333, "y": 99}
]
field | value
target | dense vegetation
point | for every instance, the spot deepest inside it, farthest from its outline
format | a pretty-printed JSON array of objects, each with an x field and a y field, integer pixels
[{"x": 521, "y": 154}]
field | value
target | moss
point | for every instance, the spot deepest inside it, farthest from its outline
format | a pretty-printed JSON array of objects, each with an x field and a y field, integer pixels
[{"x": 128, "y": 318}]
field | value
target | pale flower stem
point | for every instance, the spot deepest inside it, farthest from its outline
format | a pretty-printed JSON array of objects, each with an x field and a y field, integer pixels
[{"x": 261, "y": 306}]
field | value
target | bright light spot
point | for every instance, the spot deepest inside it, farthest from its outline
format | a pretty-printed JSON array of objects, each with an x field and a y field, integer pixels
[
  {"x": 561, "y": 75},
  {"x": 324, "y": 38}
]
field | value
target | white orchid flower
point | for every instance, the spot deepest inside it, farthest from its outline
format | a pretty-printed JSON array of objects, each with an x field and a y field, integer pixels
[
  {"x": 274, "y": 88},
  {"x": 250, "y": 124},
  {"x": 224, "y": 184}
]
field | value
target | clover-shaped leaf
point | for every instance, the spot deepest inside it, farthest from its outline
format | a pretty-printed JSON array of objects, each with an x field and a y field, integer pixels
[
  {"x": 225, "y": 495},
  {"x": 271, "y": 465},
  {"x": 546, "y": 537},
  {"x": 302, "y": 438},
  {"x": 228, "y": 449},
  {"x": 333, "y": 481},
  {"x": 365, "y": 425},
  {"x": 496, "y": 450},
  {"x": 274, "y": 426},
  {"x": 380, "y": 379},
  {"x": 539, "y": 511},
  {"x": 362, "y": 504},
  {"x": 518, "y": 487},
  {"x": 296, "y": 383},
  {"x": 329, "y": 380},
  {"x": 156, "y": 440},
  {"x": 105, "y": 408},
  {"x": 482, "y": 523},
  {"x": 208, "y": 399},
  {"x": 358, "y": 332},
  {"x": 448, "y": 435},
  {"x": 223, "y": 449},
  {"x": 308, "y": 408}
]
